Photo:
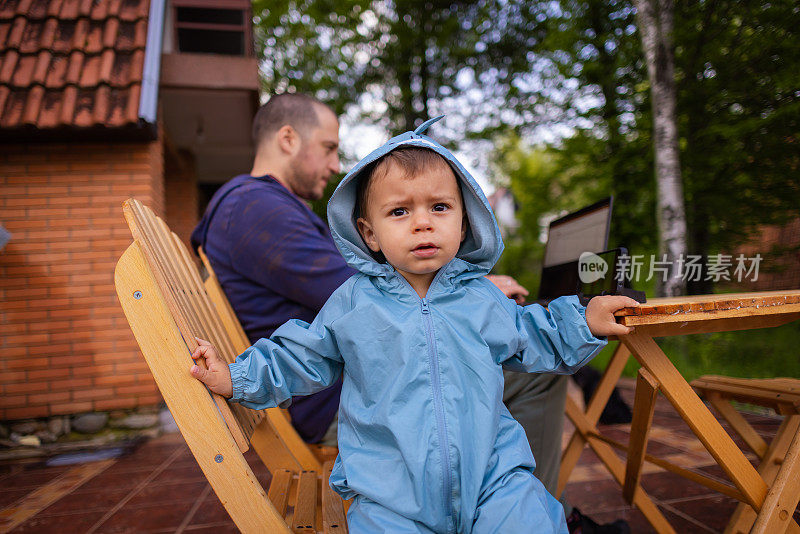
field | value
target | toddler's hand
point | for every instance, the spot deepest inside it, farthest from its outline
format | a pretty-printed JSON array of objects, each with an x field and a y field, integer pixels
[
  {"x": 218, "y": 376},
  {"x": 600, "y": 315}
]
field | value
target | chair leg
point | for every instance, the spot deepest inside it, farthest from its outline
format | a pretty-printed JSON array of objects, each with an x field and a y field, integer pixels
[{"x": 782, "y": 498}]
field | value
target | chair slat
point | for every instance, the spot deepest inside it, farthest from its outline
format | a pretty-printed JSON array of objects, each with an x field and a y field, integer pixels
[
  {"x": 333, "y": 516},
  {"x": 279, "y": 489},
  {"x": 305, "y": 508}
]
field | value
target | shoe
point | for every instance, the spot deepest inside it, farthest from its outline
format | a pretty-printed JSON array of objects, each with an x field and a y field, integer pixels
[{"x": 577, "y": 523}]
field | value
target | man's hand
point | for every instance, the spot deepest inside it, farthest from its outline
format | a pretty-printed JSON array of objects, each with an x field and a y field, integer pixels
[
  {"x": 509, "y": 287},
  {"x": 600, "y": 315},
  {"x": 217, "y": 376}
]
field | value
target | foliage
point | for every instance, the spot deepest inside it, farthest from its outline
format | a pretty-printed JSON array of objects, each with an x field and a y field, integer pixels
[
  {"x": 738, "y": 112},
  {"x": 402, "y": 62}
]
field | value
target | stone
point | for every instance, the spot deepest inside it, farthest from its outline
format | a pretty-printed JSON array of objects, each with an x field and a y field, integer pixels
[
  {"x": 90, "y": 423},
  {"x": 58, "y": 426},
  {"x": 46, "y": 436},
  {"x": 168, "y": 425},
  {"x": 29, "y": 441},
  {"x": 136, "y": 421},
  {"x": 26, "y": 427}
]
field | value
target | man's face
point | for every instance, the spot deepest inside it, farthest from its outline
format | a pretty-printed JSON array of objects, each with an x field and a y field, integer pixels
[
  {"x": 318, "y": 158},
  {"x": 416, "y": 222}
]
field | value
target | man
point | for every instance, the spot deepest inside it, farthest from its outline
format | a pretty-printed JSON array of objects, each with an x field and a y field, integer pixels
[
  {"x": 276, "y": 260},
  {"x": 273, "y": 256}
]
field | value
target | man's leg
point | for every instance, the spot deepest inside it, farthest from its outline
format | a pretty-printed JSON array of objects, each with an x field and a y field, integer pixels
[{"x": 537, "y": 402}]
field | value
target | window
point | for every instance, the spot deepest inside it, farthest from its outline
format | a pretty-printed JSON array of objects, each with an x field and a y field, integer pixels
[{"x": 213, "y": 27}]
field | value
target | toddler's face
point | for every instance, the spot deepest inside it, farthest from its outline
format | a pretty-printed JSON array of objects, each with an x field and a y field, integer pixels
[{"x": 417, "y": 222}]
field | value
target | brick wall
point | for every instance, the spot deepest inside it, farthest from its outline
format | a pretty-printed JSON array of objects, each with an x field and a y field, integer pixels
[
  {"x": 779, "y": 247},
  {"x": 65, "y": 346},
  {"x": 181, "y": 195}
]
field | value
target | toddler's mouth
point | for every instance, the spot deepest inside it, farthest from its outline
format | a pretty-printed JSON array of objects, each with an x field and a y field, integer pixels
[{"x": 425, "y": 250}]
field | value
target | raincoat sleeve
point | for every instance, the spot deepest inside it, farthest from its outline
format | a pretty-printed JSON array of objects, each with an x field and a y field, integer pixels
[
  {"x": 298, "y": 359},
  {"x": 555, "y": 339}
]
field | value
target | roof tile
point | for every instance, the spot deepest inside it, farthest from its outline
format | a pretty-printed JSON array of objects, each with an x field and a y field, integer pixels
[
  {"x": 110, "y": 33},
  {"x": 51, "y": 105},
  {"x": 31, "y": 36},
  {"x": 23, "y": 75},
  {"x": 38, "y": 9},
  {"x": 69, "y": 9},
  {"x": 71, "y": 62},
  {"x": 8, "y": 9},
  {"x": 33, "y": 105},
  {"x": 24, "y": 7},
  {"x": 57, "y": 72},
  {"x": 15, "y": 35},
  {"x": 42, "y": 66}
]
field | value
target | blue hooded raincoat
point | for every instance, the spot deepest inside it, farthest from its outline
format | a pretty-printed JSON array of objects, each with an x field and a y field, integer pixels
[{"x": 425, "y": 442}]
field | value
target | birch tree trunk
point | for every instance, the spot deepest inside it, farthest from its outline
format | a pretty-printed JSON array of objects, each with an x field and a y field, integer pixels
[{"x": 655, "y": 21}]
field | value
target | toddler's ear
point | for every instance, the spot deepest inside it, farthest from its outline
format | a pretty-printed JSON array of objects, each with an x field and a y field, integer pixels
[{"x": 368, "y": 234}]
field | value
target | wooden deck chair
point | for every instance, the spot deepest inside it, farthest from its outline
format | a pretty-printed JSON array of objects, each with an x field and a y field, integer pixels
[
  {"x": 779, "y": 460},
  {"x": 167, "y": 306}
]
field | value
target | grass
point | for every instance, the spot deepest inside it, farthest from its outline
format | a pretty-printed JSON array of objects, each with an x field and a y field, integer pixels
[{"x": 764, "y": 353}]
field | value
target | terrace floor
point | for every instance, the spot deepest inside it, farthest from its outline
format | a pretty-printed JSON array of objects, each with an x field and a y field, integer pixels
[{"x": 158, "y": 487}]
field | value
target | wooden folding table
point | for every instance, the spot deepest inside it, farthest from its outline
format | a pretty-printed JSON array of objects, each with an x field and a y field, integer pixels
[{"x": 673, "y": 317}]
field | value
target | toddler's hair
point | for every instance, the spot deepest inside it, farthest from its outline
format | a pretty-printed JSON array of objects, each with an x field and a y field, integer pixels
[{"x": 410, "y": 160}]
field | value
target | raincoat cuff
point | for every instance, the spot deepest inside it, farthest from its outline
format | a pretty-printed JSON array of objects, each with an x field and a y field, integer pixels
[{"x": 239, "y": 381}]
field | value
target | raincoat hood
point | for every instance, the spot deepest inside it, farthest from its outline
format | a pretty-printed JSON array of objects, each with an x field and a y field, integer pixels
[{"x": 479, "y": 251}]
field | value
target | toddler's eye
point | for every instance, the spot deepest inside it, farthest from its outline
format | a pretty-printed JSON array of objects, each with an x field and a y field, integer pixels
[
  {"x": 397, "y": 212},
  {"x": 440, "y": 207}
]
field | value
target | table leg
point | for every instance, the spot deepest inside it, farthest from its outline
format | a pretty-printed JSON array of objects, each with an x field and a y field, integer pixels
[
  {"x": 617, "y": 469},
  {"x": 697, "y": 416},
  {"x": 643, "y": 405},
  {"x": 570, "y": 456}
]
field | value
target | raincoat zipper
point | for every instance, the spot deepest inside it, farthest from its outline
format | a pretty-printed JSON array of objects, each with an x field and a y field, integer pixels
[{"x": 438, "y": 405}]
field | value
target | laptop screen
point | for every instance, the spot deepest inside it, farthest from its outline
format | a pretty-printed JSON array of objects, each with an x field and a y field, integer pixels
[{"x": 585, "y": 230}]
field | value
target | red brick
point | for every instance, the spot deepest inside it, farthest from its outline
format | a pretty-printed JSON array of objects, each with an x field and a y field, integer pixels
[
  {"x": 44, "y": 374},
  {"x": 25, "y": 387},
  {"x": 28, "y": 363},
  {"x": 13, "y": 376},
  {"x": 116, "y": 404},
  {"x": 13, "y": 401},
  {"x": 46, "y": 398},
  {"x": 26, "y": 339},
  {"x": 26, "y": 412},
  {"x": 24, "y": 202},
  {"x": 92, "y": 393},
  {"x": 70, "y": 408},
  {"x": 135, "y": 390},
  {"x": 115, "y": 380}
]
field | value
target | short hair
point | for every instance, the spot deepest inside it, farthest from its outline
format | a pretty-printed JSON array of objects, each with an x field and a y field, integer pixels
[
  {"x": 297, "y": 110},
  {"x": 409, "y": 159}
]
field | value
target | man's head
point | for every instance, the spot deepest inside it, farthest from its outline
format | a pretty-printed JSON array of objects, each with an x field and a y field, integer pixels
[
  {"x": 297, "y": 142},
  {"x": 410, "y": 209}
]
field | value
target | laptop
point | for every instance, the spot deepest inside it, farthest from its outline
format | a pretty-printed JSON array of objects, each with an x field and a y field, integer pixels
[{"x": 585, "y": 230}]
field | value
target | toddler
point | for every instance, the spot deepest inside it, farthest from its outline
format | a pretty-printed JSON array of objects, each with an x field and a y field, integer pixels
[{"x": 420, "y": 336}]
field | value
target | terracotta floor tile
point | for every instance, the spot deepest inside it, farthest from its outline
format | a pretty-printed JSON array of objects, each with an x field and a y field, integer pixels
[
  {"x": 161, "y": 493},
  {"x": 113, "y": 479},
  {"x": 210, "y": 511},
  {"x": 70, "y": 524},
  {"x": 33, "y": 477},
  {"x": 86, "y": 501},
  {"x": 145, "y": 518},
  {"x": 712, "y": 511},
  {"x": 665, "y": 486},
  {"x": 9, "y": 496},
  {"x": 595, "y": 495}
]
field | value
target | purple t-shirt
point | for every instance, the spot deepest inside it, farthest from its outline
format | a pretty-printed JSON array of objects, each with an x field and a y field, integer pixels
[{"x": 276, "y": 261}]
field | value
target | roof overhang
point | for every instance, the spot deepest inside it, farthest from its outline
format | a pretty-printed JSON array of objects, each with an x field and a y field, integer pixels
[{"x": 207, "y": 103}]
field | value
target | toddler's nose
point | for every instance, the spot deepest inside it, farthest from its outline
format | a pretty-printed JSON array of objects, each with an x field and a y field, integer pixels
[{"x": 422, "y": 222}]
